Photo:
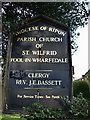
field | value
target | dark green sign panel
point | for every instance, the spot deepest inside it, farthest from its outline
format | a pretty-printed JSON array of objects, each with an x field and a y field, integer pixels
[{"x": 39, "y": 64}]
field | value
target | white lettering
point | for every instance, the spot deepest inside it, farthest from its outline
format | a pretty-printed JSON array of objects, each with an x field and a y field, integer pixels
[
  {"x": 44, "y": 52},
  {"x": 41, "y": 60},
  {"x": 58, "y": 31},
  {"x": 38, "y": 75},
  {"x": 50, "y": 39},
  {"x": 25, "y": 39}
]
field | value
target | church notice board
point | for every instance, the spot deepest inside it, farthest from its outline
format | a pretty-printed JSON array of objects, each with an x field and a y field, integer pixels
[{"x": 39, "y": 67}]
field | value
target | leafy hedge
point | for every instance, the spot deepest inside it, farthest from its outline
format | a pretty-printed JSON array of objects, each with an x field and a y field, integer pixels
[
  {"x": 81, "y": 86},
  {"x": 78, "y": 109}
]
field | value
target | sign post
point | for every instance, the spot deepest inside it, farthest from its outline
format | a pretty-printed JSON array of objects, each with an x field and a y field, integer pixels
[{"x": 40, "y": 66}]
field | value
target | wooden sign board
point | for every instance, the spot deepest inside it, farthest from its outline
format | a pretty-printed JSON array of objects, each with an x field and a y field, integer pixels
[{"x": 39, "y": 64}]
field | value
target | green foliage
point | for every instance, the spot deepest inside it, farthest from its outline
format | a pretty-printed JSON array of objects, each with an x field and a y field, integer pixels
[
  {"x": 81, "y": 86},
  {"x": 78, "y": 109},
  {"x": 89, "y": 108},
  {"x": 39, "y": 112},
  {"x": 8, "y": 116}
]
